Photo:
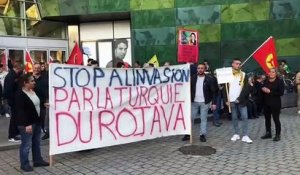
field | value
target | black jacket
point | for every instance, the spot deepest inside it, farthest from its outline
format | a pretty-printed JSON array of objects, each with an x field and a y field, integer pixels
[
  {"x": 26, "y": 113},
  {"x": 244, "y": 95},
  {"x": 209, "y": 89},
  {"x": 41, "y": 87},
  {"x": 277, "y": 90},
  {"x": 10, "y": 87}
]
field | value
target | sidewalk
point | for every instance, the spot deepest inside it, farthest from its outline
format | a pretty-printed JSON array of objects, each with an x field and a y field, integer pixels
[{"x": 161, "y": 156}]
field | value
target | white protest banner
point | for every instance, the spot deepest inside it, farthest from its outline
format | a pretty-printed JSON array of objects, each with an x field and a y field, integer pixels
[
  {"x": 95, "y": 107},
  {"x": 224, "y": 75}
]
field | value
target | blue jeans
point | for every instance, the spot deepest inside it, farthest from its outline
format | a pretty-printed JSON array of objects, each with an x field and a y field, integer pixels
[
  {"x": 28, "y": 141},
  {"x": 203, "y": 114},
  {"x": 217, "y": 112},
  {"x": 235, "y": 108}
]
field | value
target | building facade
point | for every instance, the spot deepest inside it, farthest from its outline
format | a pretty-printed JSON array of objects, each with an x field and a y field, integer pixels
[{"x": 227, "y": 28}]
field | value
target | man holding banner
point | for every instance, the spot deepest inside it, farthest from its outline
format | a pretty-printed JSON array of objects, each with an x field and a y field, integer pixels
[
  {"x": 203, "y": 92},
  {"x": 236, "y": 99}
]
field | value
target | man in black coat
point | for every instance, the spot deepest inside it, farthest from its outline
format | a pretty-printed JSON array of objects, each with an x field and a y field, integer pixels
[
  {"x": 203, "y": 95},
  {"x": 10, "y": 89}
]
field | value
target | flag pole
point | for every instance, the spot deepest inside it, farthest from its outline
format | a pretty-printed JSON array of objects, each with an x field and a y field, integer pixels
[{"x": 256, "y": 50}]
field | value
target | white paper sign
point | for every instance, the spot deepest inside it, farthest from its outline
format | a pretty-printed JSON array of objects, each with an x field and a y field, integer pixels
[
  {"x": 95, "y": 107},
  {"x": 224, "y": 75}
]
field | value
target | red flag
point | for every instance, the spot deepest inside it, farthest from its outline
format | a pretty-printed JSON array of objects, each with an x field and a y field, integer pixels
[
  {"x": 4, "y": 61},
  {"x": 266, "y": 56},
  {"x": 29, "y": 63},
  {"x": 76, "y": 56}
]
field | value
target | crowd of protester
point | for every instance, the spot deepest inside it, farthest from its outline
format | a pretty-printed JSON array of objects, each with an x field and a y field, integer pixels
[{"x": 25, "y": 101}]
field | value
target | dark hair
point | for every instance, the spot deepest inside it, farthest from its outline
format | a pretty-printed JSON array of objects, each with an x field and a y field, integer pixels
[
  {"x": 151, "y": 64},
  {"x": 193, "y": 34},
  {"x": 94, "y": 62},
  {"x": 1, "y": 65},
  {"x": 236, "y": 59},
  {"x": 118, "y": 41},
  {"x": 24, "y": 79},
  {"x": 283, "y": 61},
  {"x": 90, "y": 59}
]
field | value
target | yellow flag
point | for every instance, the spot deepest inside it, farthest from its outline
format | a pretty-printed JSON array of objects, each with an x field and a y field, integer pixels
[{"x": 154, "y": 61}]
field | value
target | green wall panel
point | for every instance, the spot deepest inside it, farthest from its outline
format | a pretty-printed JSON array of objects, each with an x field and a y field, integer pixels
[
  {"x": 73, "y": 7},
  {"x": 153, "y": 18},
  {"x": 49, "y": 8},
  {"x": 151, "y": 4},
  {"x": 285, "y": 9},
  {"x": 211, "y": 52},
  {"x": 99, "y": 6},
  {"x": 245, "y": 31},
  {"x": 155, "y": 36},
  {"x": 198, "y": 15},
  {"x": 288, "y": 47},
  {"x": 285, "y": 28},
  {"x": 207, "y": 32},
  {"x": 245, "y": 12}
]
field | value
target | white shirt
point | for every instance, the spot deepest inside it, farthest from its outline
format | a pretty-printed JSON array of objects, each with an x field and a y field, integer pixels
[
  {"x": 235, "y": 87},
  {"x": 199, "y": 95},
  {"x": 2, "y": 77},
  {"x": 35, "y": 100}
]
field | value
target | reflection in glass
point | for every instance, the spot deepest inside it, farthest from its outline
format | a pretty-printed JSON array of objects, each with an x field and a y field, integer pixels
[
  {"x": 38, "y": 56},
  {"x": 46, "y": 29},
  {"x": 57, "y": 55}
]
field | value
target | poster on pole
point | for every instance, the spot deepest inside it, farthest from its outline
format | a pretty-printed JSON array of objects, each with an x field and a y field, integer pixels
[
  {"x": 188, "y": 51},
  {"x": 224, "y": 75},
  {"x": 95, "y": 107}
]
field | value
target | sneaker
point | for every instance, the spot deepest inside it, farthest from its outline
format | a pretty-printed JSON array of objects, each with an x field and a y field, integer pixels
[
  {"x": 13, "y": 140},
  {"x": 7, "y": 115},
  {"x": 235, "y": 137},
  {"x": 246, "y": 139}
]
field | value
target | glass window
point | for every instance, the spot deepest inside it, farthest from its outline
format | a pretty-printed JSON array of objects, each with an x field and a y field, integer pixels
[
  {"x": 46, "y": 29},
  {"x": 38, "y": 56},
  {"x": 10, "y": 26},
  {"x": 57, "y": 55},
  {"x": 2, "y": 55},
  {"x": 16, "y": 55}
]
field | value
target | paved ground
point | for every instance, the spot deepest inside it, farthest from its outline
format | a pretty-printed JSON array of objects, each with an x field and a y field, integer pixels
[{"x": 161, "y": 156}]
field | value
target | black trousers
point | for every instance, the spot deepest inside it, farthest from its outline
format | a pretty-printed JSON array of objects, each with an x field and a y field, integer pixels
[
  {"x": 13, "y": 128},
  {"x": 272, "y": 112}
]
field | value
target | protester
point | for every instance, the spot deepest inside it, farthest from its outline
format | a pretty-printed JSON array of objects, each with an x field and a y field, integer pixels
[
  {"x": 167, "y": 63},
  {"x": 258, "y": 97},
  {"x": 94, "y": 63},
  {"x": 29, "y": 124},
  {"x": 4, "y": 106},
  {"x": 207, "y": 66},
  {"x": 251, "y": 105},
  {"x": 10, "y": 88},
  {"x": 273, "y": 89},
  {"x": 41, "y": 90},
  {"x": 298, "y": 90},
  {"x": 217, "y": 111},
  {"x": 238, "y": 94},
  {"x": 137, "y": 64},
  {"x": 203, "y": 91}
]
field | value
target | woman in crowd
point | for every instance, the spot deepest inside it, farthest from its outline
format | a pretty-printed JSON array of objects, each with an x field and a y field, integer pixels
[
  {"x": 272, "y": 89},
  {"x": 29, "y": 123}
]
